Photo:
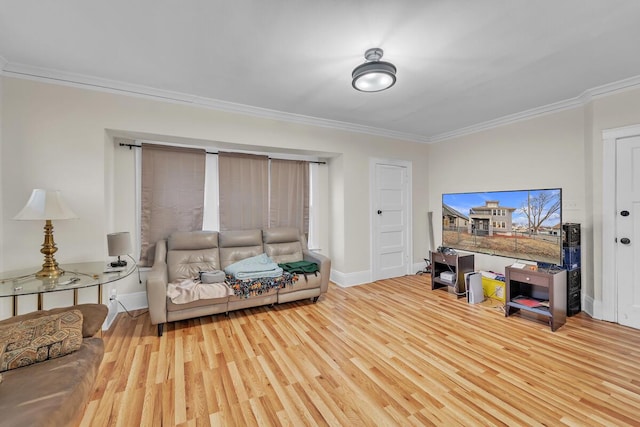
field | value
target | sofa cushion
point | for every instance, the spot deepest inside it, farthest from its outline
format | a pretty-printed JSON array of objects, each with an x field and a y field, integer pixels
[
  {"x": 280, "y": 235},
  {"x": 190, "y": 240},
  {"x": 283, "y": 244},
  {"x": 310, "y": 281},
  {"x": 255, "y": 295},
  {"x": 236, "y": 245},
  {"x": 52, "y": 393},
  {"x": 187, "y": 264},
  {"x": 35, "y": 340},
  {"x": 171, "y": 306},
  {"x": 284, "y": 252}
]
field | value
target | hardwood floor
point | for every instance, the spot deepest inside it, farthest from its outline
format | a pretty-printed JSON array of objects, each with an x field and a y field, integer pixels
[{"x": 387, "y": 353}]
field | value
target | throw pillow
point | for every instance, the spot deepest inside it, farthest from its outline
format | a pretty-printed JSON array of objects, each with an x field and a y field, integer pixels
[
  {"x": 36, "y": 340},
  {"x": 213, "y": 276}
]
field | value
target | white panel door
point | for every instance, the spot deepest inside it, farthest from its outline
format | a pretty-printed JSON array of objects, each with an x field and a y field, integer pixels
[
  {"x": 628, "y": 230},
  {"x": 391, "y": 221}
]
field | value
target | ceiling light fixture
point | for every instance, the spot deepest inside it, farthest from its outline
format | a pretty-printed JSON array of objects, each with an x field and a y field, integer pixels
[{"x": 373, "y": 75}]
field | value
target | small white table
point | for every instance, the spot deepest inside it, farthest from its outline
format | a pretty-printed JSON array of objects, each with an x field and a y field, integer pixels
[{"x": 76, "y": 276}]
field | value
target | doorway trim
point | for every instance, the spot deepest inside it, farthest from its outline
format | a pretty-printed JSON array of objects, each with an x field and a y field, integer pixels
[
  {"x": 609, "y": 309},
  {"x": 372, "y": 208}
]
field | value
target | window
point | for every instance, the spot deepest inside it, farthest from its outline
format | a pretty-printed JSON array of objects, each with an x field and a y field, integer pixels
[
  {"x": 207, "y": 182},
  {"x": 289, "y": 194},
  {"x": 244, "y": 191},
  {"x": 171, "y": 194}
]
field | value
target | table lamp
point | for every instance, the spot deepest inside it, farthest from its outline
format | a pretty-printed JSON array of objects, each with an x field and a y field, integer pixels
[
  {"x": 46, "y": 205},
  {"x": 119, "y": 244}
]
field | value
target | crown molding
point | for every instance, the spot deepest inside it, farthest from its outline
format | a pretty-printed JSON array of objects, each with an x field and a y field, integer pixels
[
  {"x": 579, "y": 101},
  {"x": 113, "y": 86},
  {"x": 611, "y": 88},
  {"x": 511, "y": 118}
]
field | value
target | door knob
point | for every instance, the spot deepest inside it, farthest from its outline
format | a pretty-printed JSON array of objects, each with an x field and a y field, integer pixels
[
  {"x": 624, "y": 213},
  {"x": 625, "y": 241},
  {"x": 379, "y": 212}
]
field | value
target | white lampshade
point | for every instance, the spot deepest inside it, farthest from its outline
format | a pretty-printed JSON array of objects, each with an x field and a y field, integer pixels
[
  {"x": 119, "y": 243},
  {"x": 45, "y": 205}
]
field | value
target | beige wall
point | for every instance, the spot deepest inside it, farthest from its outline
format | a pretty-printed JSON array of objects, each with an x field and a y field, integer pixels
[
  {"x": 60, "y": 137},
  {"x": 543, "y": 152},
  {"x": 561, "y": 149}
]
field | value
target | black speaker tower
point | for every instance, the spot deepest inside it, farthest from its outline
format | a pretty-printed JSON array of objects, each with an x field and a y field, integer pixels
[{"x": 571, "y": 262}]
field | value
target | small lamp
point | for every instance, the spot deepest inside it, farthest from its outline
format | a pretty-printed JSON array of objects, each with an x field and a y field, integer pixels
[
  {"x": 46, "y": 205},
  {"x": 119, "y": 244}
]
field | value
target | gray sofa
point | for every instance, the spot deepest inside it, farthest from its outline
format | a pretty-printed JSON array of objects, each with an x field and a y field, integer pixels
[
  {"x": 184, "y": 254},
  {"x": 54, "y": 392}
]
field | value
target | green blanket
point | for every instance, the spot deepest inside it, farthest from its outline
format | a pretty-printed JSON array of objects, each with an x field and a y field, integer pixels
[{"x": 300, "y": 267}]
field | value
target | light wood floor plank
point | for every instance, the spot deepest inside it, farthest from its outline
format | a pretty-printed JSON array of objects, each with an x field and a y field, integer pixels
[{"x": 392, "y": 352}]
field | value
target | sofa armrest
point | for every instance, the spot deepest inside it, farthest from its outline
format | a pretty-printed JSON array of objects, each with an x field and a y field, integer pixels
[
  {"x": 157, "y": 281},
  {"x": 324, "y": 263}
]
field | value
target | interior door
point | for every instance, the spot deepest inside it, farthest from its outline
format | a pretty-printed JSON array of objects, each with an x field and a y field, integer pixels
[
  {"x": 628, "y": 230},
  {"x": 391, "y": 221}
]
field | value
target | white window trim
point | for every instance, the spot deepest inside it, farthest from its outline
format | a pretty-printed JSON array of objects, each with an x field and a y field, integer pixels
[
  {"x": 211, "y": 213},
  {"x": 314, "y": 209}
]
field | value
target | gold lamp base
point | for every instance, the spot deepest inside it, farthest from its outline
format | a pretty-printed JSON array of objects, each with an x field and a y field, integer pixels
[
  {"x": 50, "y": 267},
  {"x": 50, "y": 272}
]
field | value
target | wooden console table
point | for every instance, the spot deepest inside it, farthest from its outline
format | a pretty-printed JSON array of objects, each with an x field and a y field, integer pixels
[
  {"x": 76, "y": 276},
  {"x": 548, "y": 287},
  {"x": 458, "y": 264}
]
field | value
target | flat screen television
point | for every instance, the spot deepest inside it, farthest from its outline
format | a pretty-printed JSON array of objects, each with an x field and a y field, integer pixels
[{"x": 523, "y": 224}]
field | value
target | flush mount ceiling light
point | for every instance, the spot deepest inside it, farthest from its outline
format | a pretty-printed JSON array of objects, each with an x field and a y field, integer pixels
[{"x": 373, "y": 75}]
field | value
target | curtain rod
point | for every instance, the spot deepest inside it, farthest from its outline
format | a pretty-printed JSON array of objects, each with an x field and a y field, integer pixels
[{"x": 122, "y": 144}]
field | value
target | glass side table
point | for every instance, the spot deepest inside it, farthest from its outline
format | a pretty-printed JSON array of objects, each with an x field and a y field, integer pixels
[{"x": 76, "y": 276}]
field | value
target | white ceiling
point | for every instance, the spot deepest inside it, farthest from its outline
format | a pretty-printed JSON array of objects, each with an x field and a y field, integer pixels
[{"x": 461, "y": 64}]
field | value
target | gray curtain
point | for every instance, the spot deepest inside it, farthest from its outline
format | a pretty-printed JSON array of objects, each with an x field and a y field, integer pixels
[
  {"x": 244, "y": 191},
  {"x": 289, "y": 202},
  {"x": 172, "y": 194}
]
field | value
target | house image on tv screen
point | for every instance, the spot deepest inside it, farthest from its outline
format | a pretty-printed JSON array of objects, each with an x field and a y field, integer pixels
[
  {"x": 522, "y": 224},
  {"x": 490, "y": 218},
  {"x": 454, "y": 220}
]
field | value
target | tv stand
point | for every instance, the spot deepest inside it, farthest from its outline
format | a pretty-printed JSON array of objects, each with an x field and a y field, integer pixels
[
  {"x": 457, "y": 264},
  {"x": 525, "y": 287}
]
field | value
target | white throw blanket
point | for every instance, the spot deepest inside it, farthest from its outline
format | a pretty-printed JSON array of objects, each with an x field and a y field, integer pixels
[
  {"x": 257, "y": 267},
  {"x": 189, "y": 290}
]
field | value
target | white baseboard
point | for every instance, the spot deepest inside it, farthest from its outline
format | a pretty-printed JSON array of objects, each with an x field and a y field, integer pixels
[
  {"x": 591, "y": 307},
  {"x": 418, "y": 266},
  {"x": 344, "y": 280},
  {"x": 133, "y": 301},
  {"x": 112, "y": 305}
]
